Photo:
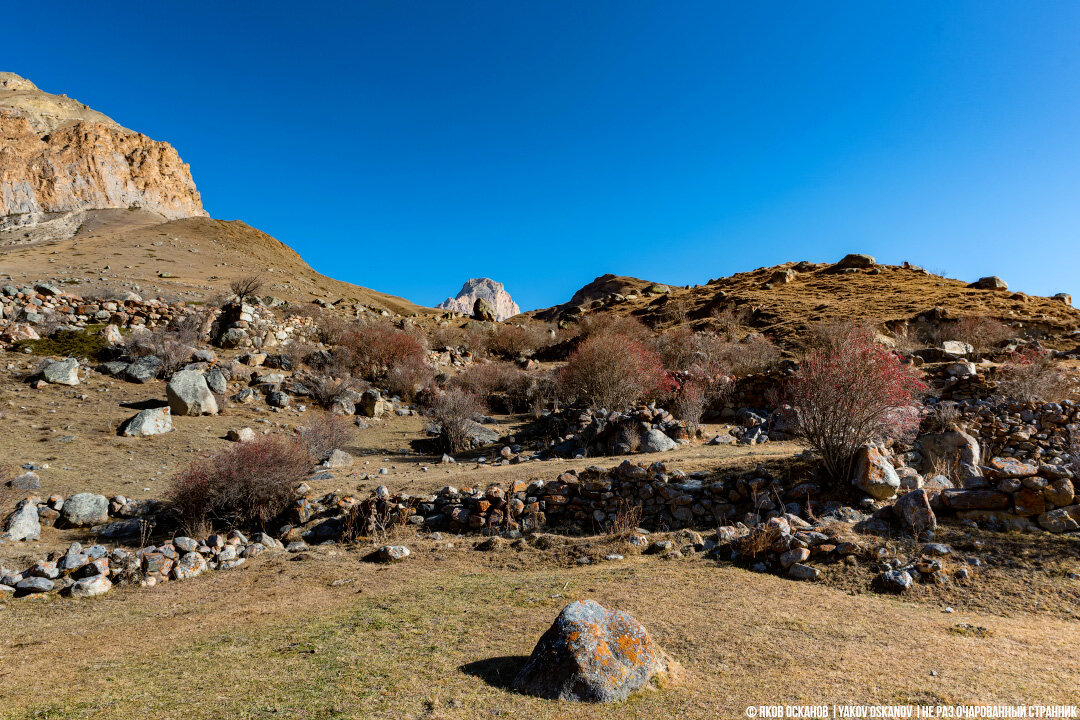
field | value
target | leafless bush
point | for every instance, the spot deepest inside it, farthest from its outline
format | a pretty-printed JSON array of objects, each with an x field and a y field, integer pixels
[
  {"x": 941, "y": 417},
  {"x": 454, "y": 410},
  {"x": 676, "y": 309},
  {"x": 326, "y": 390},
  {"x": 323, "y": 433},
  {"x": 755, "y": 354},
  {"x": 677, "y": 348},
  {"x": 513, "y": 341},
  {"x": 247, "y": 287},
  {"x": 244, "y": 484},
  {"x": 372, "y": 349},
  {"x": 697, "y": 393},
  {"x": 162, "y": 343},
  {"x": 758, "y": 542},
  {"x": 621, "y": 325},
  {"x": 626, "y": 520},
  {"x": 495, "y": 377},
  {"x": 984, "y": 334},
  {"x": 731, "y": 322},
  {"x": 408, "y": 378},
  {"x": 1031, "y": 375}
]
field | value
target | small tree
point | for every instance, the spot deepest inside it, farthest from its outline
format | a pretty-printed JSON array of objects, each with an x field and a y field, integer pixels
[
  {"x": 614, "y": 372},
  {"x": 454, "y": 411},
  {"x": 246, "y": 287},
  {"x": 852, "y": 394}
]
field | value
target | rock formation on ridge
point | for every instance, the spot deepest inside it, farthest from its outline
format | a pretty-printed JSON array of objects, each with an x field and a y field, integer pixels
[{"x": 485, "y": 288}]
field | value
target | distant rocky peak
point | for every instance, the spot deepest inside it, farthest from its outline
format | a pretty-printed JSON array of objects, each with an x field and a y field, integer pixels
[{"x": 485, "y": 288}]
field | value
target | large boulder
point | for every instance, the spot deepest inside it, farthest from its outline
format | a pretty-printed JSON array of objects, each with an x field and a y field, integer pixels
[
  {"x": 189, "y": 395},
  {"x": 371, "y": 404},
  {"x": 990, "y": 282},
  {"x": 976, "y": 499},
  {"x": 152, "y": 421},
  {"x": 91, "y": 586},
  {"x": 144, "y": 369},
  {"x": 23, "y": 524},
  {"x": 62, "y": 372},
  {"x": 953, "y": 449},
  {"x": 874, "y": 474},
  {"x": 1064, "y": 519},
  {"x": 484, "y": 310},
  {"x": 656, "y": 441},
  {"x": 914, "y": 513},
  {"x": 85, "y": 509},
  {"x": 591, "y": 655},
  {"x": 856, "y": 261}
]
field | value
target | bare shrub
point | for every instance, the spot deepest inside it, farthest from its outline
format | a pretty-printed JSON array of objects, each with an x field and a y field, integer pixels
[
  {"x": 246, "y": 287},
  {"x": 514, "y": 341},
  {"x": 941, "y": 417},
  {"x": 245, "y": 484},
  {"x": 676, "y": 348},
  {"x": 626, "y": 520},
  {"x": 676, "y": 309},
  {"x": 604, "y": 324},
  {"x": 490, "y": 378},
  {"x": 614, "y": 372},
  {"x": 323, "y": 433},
  {"x": 856, "y": 393},
  {"x": 1031, "y": 375},
  {"x": 731, "y": 322},
  {"x": 758, "y": 542},
  {"x": 410, "y": 377},
  {"x": 455, "y": 411},
  {"x": 325, "y": 390},
  {"x": 162, "y": 343},
  {"x": 696, "y": 394},
  {"x": 985, "y": 334},
  {"x": 755, "y": 354}
]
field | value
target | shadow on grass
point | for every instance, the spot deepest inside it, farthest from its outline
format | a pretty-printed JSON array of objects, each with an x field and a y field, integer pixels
[{"x": 497, "y": 671}]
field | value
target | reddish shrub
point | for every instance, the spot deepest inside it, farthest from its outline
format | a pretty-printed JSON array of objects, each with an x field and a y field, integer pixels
[
  {"x": 244, "y": 484},
  {"x": 614, "y": 372},
  {"x": 853, "y": 394},
  {"x": 373, "y": 350},
  {"x": 486, "y": 380},
  {"x": 513, "y": 341}
]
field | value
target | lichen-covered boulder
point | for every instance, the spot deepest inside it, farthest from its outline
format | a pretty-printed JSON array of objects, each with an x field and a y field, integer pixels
[
  {"x": 85, "y": 509},
  {"x": 874, "y": 474},
  {"x": 914, "y": 513},
  {"x": 591, "y": 654},
  {"x": 23, "y": 524},
  {"x": 62, "y": 372}
]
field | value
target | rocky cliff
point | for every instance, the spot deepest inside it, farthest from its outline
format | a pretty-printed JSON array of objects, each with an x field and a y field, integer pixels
[
  {"x": 492, "y": 291},
  {"x": 57, "y": 155}
]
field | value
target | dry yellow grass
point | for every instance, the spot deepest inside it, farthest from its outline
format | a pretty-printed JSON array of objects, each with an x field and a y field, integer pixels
[{"x": 441, "y": 635}]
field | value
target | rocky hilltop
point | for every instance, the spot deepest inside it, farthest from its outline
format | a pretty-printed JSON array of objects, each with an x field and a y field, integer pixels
[
  {"x": 59, "y": 156},
  {"x": 485, "y": 288}
]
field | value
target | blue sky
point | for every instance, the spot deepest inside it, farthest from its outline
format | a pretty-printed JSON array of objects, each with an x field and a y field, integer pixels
[{"x": 407, "y": 146}]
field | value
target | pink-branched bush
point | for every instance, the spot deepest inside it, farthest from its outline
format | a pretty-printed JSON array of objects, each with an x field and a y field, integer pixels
[
  {"x": 851, "y": 394},
  {"x": 373, "y": 350},
  {"x": 614, "y": 372}
]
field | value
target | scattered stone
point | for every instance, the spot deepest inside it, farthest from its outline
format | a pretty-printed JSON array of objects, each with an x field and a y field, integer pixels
[
  {"x": 393, "y": 553},
  {"x": 85, "y": 509},
  {"x": 91, "y": 586},
  {"x": 62, "y": 372}
]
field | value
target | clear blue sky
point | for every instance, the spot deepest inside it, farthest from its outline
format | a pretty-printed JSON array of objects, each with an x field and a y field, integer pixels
[{"x": 407, "y": 146}]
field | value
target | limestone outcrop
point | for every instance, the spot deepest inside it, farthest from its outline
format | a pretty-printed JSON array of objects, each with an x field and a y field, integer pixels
[{"x": 59, "y": 156}]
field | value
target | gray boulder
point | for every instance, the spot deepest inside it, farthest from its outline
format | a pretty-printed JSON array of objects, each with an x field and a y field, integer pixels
[
  {"x": 991, "y": 282},
  {"x": 85, "y": 509},
  {"x": 656, "y": 441},
  {"x": 91, "y": 586},
  {"x": 896, "y": 581},
  {"x": 189, "y": 395},
  {"x": 951, "y": 449},
  {"x": 26, "y": 482},
  {"x": 393, "y": 553},
  {"x": 152, "y": 421},
  {"x": 23, "y": 524},
  {"x": 216, "y": 381},
  {"x": 35, "y": 585},
  {"x": 62, "y": 372},
  {"x": 591, "y": 655},
  {"x": 144, "y": 369}
]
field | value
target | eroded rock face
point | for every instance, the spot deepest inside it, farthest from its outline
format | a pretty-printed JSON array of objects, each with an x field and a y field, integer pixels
[
  {"x": 486, "y": 289},
  {"x": 591, "y": 654},
  {"x": 57, "y": 155}
]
